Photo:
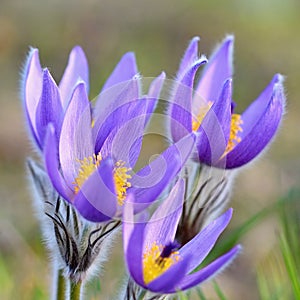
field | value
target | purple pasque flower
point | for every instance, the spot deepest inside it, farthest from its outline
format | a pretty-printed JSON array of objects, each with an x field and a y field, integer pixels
[
  {"x": 90, "y": 162},
  {"x": 224, "y": 139},
  {"x": 157, "y": 262},
  {"x": 44, "y": 101}
]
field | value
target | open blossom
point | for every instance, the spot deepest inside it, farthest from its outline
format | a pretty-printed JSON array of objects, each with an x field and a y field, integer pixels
[
  {"x": 225, "y": 139},
  {"x": 156, "y": 262},
  {"x": 89, "y": 152}
]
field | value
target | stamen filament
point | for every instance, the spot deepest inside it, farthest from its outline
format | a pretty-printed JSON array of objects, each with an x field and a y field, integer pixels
[{"x": 235, "y": 128}]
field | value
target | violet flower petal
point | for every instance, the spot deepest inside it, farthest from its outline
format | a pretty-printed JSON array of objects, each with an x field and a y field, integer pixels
[
  {"x": 261, "y": 133},
  {"x": 211, "y": 270},
  {"x": 150, "y": 181},
  {"x": 134, "y": 250},
  {"x": 115, "y": 112},
  {"x": 217, "y": 70},
  {"x": 76, "y": 70},
  {"x": 52, "y": 165},
  {"x": 169, "y": 280},
  {"x": 189, "y": 57},
  {"x": 49, "y": 109},
  {"x": 154, "y": 93},
  {"x": 213, "y": 133},
  {"x": 110, "y": 95},
  {"x": 199, "y": 247},
  {"x": 125, "y": 130},
  {"x": 124, "y": 71},
  {"x": 96, "y": 200},
  {"x": 76, "y": 137},
  {"x": 258, "y": 107},
  {"x": 33, "y": 82},
  {"x": 180, "y": 107},
  {"x": 162, "y": 226}
]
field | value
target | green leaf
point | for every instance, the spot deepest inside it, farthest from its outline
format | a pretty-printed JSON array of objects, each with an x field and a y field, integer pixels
[
  {"x": 290, "y": 265},
  {"x": 200, "y": 294},
  {"x": 219, "y": 291},
  {"x": 231, "y": 238}
]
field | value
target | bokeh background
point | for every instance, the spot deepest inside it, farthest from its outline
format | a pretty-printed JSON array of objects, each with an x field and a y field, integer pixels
[{"x": 267, "y": 41}]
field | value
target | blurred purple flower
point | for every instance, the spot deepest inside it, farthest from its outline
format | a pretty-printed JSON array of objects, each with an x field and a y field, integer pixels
[
  {"x": 156, "y": 262},
  {"x": 224, "y": 139},
  {"x": 89, "y": 152}
]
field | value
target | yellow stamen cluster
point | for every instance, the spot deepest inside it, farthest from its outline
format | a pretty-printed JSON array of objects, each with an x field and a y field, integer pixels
[
  {"x": 235, "y": 128},
  {"x": 154, "y": 265},
  {"x": 89, "y": 164},
  {"x": 202, "y": 113},
  {"x": 121, "y": 177}
]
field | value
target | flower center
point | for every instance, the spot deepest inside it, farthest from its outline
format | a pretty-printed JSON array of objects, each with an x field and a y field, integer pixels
[
  {"x": 121, "y": 178},
  {"x": 235, "y": 128},
  {"x": 159, "y": 259},
  {"x": 89, "y": 164},
  {"x": 204, "y": 108}
]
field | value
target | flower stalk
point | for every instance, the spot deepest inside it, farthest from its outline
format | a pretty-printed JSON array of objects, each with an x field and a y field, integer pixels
[
  {"x": 60, "y": 286},
  {"x": 75, "y": 290}
]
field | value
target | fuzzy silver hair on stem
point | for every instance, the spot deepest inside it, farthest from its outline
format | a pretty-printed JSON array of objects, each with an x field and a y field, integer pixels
[
  {"x": 207, "y": 193},
  {"x": 77, "y": 247}
]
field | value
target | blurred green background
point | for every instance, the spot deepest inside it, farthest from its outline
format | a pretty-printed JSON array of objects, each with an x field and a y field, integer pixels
[{"x": 267, "y": 41}]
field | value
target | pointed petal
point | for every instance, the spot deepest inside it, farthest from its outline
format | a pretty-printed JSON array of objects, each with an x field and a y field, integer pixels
[
  {"x": 213, "y": 133},
  {"x": 121, "y": 131},
  {"x": 217, "y": 70},
  {"x": 162, "y": 226},
  {"x": 134, "y": 250},
  {"x": 76, "y": 70},
  {"x": 150, "y": 181},
  {"x": 32, "y": 90},
  {"x": 109, "y": 97},
  {"x": 261, "y": 133},
  {"x": 49, "y": 109},
  {"x": 76, "y": 134},
  {"x": 96, "y": 200},
  {"x": 154, "y": 93},
  {"x": 125, "y": 140},
  {"x": 199, "y": 247},
  {"x": 156, "y": 86},
  {"x": 181, "y": 101},
  {"x": 209, "y": 271},
  {"x": 113, "y": 109},
  {"x": 124, "y": 71},
  {"x": 52, "y": 165},
  {"x": 189, "y": 57},
  {"x": 170, "y": 279},
  {"x": 259, "y": 106}
]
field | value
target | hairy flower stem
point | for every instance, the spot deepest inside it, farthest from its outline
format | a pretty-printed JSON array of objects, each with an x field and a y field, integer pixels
[
  {"x": 75, "y": 289},
  {"x": 61, "y": 285}
]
